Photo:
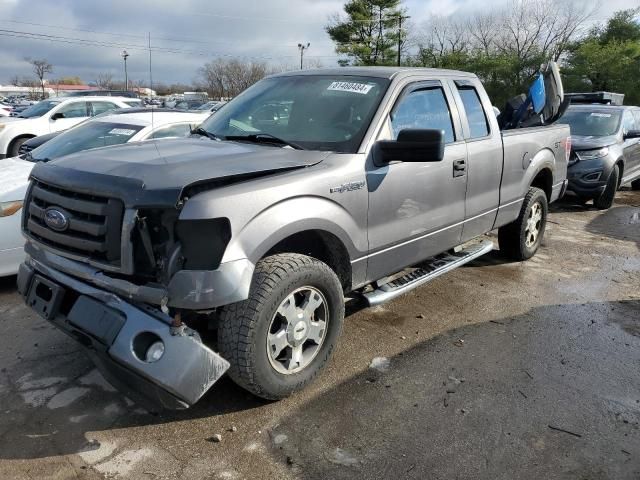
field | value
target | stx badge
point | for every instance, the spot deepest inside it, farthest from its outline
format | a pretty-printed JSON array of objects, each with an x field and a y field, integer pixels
[{"x": 347, "y": 187}]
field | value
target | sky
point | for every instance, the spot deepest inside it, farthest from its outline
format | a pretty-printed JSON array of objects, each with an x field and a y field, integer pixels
[{"x": 189, "y": 33}]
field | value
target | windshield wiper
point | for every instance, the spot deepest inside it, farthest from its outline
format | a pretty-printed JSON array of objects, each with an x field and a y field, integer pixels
[
  {"x": 264, "y": 138},
  {"x": 202, "y": 131}
]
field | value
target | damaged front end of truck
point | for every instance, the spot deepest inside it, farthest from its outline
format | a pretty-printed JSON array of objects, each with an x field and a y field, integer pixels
[{"x": 111, "y": 263}]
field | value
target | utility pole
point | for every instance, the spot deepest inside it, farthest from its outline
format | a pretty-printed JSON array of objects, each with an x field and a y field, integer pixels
[
  {"x": 302, "y": 47},
  {"x": 400, "y": 18},
  {"x": 125, "y": 55}
]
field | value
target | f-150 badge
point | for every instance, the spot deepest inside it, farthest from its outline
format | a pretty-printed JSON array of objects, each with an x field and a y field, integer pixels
[{"x": 347, "y": 187}]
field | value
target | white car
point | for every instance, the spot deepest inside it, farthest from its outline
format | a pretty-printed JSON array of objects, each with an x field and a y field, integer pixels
[
  {"x": 106, "y": 130},
  {"x": 52, "y": 115}
]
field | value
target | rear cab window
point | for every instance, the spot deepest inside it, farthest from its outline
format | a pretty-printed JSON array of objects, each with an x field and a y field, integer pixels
[{"x": 476, "y": 116}]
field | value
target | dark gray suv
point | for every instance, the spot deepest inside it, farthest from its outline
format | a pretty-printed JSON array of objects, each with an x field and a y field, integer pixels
[{"x": 605, "y": 151}]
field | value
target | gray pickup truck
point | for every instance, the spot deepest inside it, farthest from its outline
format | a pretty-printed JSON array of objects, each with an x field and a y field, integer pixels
[{"x": 176, "y": 261}]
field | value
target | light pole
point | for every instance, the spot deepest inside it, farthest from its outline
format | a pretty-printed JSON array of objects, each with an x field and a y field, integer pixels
[
  {"x": 302, "y": 47},
  {"x": 126, "y": 78}
]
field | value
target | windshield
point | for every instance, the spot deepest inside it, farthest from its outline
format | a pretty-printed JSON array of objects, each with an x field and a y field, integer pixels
[
  {"x": 317, "y": 112},
  {"x": 83, "y": 137},
  {"x": 592, "y": 123},
  {"x": 38, "y": 109}
]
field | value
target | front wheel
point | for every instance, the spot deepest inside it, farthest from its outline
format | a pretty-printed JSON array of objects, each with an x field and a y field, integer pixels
[
  {"x": 605, "y": 199},
  {"x": 635, "y": 185},
  {"x": 282, "y": 336},
  {"x": 521, "y": 239},
  {"x": 14, "y": 149}
]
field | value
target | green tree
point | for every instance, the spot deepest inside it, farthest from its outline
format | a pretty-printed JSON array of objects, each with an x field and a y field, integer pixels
[
  {"x": 622, "y": 27},
  {"x": 371, "y": 32},
  {"x": 608, "y": 59}
]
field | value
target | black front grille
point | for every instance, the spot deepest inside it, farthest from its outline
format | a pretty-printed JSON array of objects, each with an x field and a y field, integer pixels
[{"x": 93, "y": 222}]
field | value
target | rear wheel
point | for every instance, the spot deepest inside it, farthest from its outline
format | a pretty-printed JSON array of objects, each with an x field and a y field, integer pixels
[
  {"x": 282, "y": 336},
  {"x": 605, "y": 199},
  {"x": 521, "y": 239}
]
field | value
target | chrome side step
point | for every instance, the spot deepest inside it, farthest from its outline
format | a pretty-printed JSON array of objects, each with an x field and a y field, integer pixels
[{"x": 426, "y": 272}]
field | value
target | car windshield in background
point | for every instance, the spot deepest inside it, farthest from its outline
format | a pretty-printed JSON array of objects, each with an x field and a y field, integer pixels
[
  {"x": 592, "y": 123},
  {"x": 38, "y": 109},
  {"x": 83, "y": 137},
  {"x": 316, "y": 112}
]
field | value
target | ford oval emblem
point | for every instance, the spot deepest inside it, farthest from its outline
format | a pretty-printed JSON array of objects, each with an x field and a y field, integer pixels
[{"x": 56, "y": 219}]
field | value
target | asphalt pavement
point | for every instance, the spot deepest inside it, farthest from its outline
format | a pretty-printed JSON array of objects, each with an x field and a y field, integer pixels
[{"x": 498, "y": 370}]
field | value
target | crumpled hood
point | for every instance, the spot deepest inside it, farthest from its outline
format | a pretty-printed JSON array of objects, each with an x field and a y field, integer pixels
[
  {"x": 164, "y": 168},
  {"x": 14, "y": 178},
  {"x": 580, "y": 142}
]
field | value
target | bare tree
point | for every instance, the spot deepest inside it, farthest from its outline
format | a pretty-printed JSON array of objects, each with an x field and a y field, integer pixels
[
  {"x": 15, "y": 81},
  {"x": 227, "y": 78},
  {"x": 482, "y": 31},
  {"x": 40, "y": 68},
  {"x": 104, "y": 81}
]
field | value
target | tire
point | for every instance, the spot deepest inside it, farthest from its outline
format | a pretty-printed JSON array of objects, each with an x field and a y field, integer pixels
[
  {"x": 635, "y": 185},
  {"x": 605, "y": 199},
  {"x": 518, "y": 240},
  {"x": 248, "y": 331},
  {"x": 14, "y": 148}
]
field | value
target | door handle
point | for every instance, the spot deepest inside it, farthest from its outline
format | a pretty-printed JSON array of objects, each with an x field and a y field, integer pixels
[{"x": 459, "y": 168}]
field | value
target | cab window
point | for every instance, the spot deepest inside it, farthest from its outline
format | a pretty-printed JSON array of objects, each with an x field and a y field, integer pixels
[
  {"x": 425, "y": 108},
  {"x": 478, "y": 125}
]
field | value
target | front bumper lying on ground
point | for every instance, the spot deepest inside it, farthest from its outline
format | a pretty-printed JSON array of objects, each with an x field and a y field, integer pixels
[{"x": 118, "y": 335}]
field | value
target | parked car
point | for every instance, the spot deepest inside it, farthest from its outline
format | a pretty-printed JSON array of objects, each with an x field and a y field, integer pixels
[
  {"x": 212, "y": 107},
  {"x": 188, "y": 104},
  {"x": 51, "y": 115},
  {"x": 103, "y": 93},
  {"x": 605, "y": 151},
  {"x": 379, "y": 180},
  {"x": 98, "y": 132},
  {"x": 5, "y": 109}
]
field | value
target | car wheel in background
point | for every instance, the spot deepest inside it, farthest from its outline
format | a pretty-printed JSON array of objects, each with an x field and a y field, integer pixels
[
  {"x": 605, "y": 199},
  {"x": 635, "y": 185},
  {"x": 14, "y": 148}
]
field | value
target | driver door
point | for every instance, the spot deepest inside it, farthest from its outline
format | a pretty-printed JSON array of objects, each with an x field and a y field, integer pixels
[{"x": 417, "y": 209}]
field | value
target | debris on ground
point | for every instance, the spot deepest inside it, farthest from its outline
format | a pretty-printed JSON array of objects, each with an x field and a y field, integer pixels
[
  {"x": 381, "y": 364},
  {"x": 558, "y": 429},
  {"x": 217, "y": 438}
]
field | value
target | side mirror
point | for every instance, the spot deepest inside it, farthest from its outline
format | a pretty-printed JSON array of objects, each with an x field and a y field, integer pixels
[
  {"x": 56, "y": 116},
  {"x": 412, "y": 145},
  {"x": 632, "y": 134}
]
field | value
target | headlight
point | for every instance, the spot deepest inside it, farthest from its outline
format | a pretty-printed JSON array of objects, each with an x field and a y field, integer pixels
[
  {"x": 592, "y": 154},
  {"x": 9, "y": 208},
  {"x": 2, "y": 125}
]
